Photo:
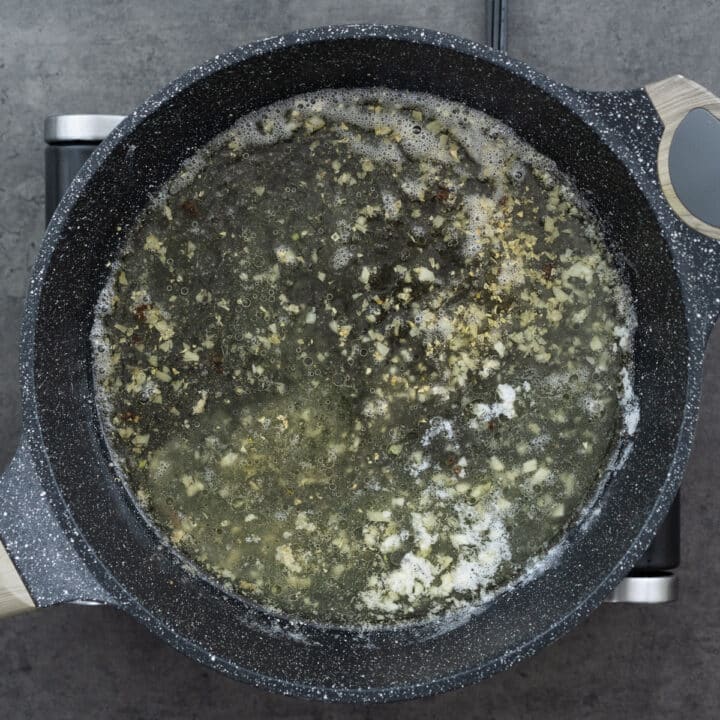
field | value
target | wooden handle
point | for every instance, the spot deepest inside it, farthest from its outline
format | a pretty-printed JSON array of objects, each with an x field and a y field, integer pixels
[
  {"x": 14, "y": 597},
  {"x": 673, "y": 99}
]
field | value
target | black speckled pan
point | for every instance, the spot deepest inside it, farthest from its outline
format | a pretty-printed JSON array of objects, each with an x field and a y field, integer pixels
[{"x": 74, "y": 532}]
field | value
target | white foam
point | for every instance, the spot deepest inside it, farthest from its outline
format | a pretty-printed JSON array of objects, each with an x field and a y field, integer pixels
[
  {"x": 511, "y": 273},
  {"x": 391, "y": 205},
  {"x": 383, "y": 151},
  {"x": 101, "y": 346},
  {"x": 415, "y": 468},
  {"x": 482, "y": 542},
  {"x": 414, "y": 188},
  {"x": 629, "y": 403},
  {"x": 438, "y": 426},
  {"x": 412, "y": 578},
  {"x": 377, "y": 407},
  {"x": 341, "y": 257},
  {"x": 505, "y": 407},
  {"x": 423, "y": 538},
  {"x": 446, "y": 131}
]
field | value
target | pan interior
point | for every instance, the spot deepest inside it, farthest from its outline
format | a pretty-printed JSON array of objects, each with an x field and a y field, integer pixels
[
  {"x": 387, "y": 399},
  {"x": 197, "y": 614}
]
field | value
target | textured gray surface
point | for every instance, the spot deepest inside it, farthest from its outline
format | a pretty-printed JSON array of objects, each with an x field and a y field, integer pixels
[{"x": 102, "y": 56}]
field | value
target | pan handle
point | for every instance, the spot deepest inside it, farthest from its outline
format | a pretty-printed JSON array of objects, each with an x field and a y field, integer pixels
[
  {"x": 14, "y": 596},
  {"x": 688, "y": 160},
  {"x": 40, "y": 555}
]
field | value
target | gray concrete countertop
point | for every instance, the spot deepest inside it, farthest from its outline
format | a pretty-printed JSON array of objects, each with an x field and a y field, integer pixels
[{"x": 104, "y": 56}]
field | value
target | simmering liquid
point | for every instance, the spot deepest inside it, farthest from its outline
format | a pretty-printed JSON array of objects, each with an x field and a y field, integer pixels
[{"x": 365, "y": 358}]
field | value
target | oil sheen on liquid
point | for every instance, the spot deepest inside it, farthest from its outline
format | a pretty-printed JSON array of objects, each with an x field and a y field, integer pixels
[{"x": 365, "y": 358}]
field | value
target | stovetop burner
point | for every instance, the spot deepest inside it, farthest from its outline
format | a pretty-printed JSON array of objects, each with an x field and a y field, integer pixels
[{"x": 71, "y": 140}]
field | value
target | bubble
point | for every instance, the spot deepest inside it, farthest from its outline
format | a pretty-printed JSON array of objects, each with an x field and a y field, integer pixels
[
  {"x": 184, "y": 290},
  {"x": 341, "y": 257}
]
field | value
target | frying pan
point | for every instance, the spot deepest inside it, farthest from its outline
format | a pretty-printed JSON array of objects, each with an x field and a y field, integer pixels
[{"x": 72, "y": 530}]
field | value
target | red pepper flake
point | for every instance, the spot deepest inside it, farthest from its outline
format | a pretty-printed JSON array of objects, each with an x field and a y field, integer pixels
[
  {"x": 547, "y": 270},
  {"x": 216, "y": 360},
  {"x": 442, "y": 194},
  {"x": 190, "y": 207},
  {"x": 139, "y": 312},
  {"x": 491, "y": 425}
]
